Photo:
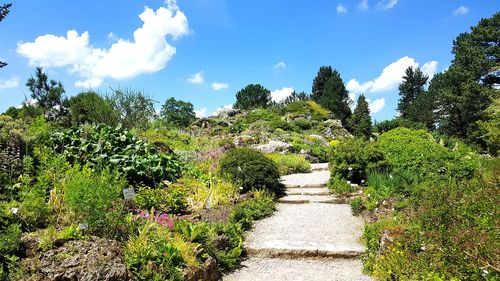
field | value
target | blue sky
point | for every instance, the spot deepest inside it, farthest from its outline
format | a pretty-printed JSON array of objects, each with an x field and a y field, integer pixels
[{"x": 204, "y": 51}]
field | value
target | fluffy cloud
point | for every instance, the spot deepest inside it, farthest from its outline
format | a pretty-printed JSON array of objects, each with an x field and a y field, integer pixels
[
  {"x": 202, "y": 112},
  {"x": 197, "y": 78},
  {"x": 219, "y": 86},
  {"x": 149, "y": 52},
  {"x": 281, "y": 94},
  {"x": 390, "y": 77},
  {"x": 376, "y": 105},
  {"x": 460, "y": 11},
  {"x": 280, "y": 64},
  {"x": 386, "y": 4},
  {"x": 363, "y": 5},
  {"x": 341, "y": 9},
  {"x": 222, "y": 109},
  {"x": 9, "y": 83}
]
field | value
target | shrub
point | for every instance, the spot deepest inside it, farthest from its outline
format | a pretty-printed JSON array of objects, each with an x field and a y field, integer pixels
[
  {"x": 340, "y": 186},
  {"x": 353, "y": 158},
  {"x": 10, "y": 249},
  {"x": 172, "y": 200},
  {"x": 224, "y": 243},
  {"x": 250, "y": 169},
  {"x": 415, "y": 152},
  {"x": 106, "y": 147},
  {"x": 357, "y": 206},
  {"x": 92, "y": 197},
  {"x": 214, "y": 193},
  {"x": 290, "y": 163},
  {"x": 261, "y": 206},
  {"x": 302, "y": 123}
]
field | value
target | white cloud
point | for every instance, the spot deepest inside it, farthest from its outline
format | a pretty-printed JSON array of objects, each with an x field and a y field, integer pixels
[
  {"x": 219, "y": 86},
  {"x": 363, "y": 5},
  {"x": 386, "y": 4},
  {"x": 430, "y": 68},
  {"x": 112, "y": 36},
  {"x": 9, "y": 83},
  {"x": 460, "y": 11},
  {"x": 280, "y": 64},
  {"x": 202, "y": 112},
  {"x": 197, "y": 78},
  {"x": 222, "y": 109},
  {"x": 149, "y": 52},
  {"x": 281, "y": 94},
  {"x": 376, "y": 105},
  {"x": 391, "y": 76},
  {"x": 341, "y": 9}
]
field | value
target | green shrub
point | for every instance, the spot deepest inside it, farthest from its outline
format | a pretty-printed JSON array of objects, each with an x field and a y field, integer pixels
[
  {"x": 106, "y": 147},
  {"x": 353, "y": 158},
  {"x": 415, "y": 152},
  {"x": 302, "y": 123},
  {"x": 357, "y": 206},
  {"x": 315, "y": 147},
  {"x": 261, "y": 206},
  {"x": 251, "y": 169},
  {"x": 340, "y": 186},
  {"x": 224, "y": 243},
  {"x": 172, "y": 200},
  {"x": 10, "y": 249},
  {"x": 93, "y": 198},
  {"x": 290, "y": 163}
]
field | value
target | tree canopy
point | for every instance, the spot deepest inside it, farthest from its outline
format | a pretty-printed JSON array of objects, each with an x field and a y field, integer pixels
[
  {"x": 252, "y": 96},
  {"x": 47, "y": 93},
  {"x": 178, "y": 113},
  {"x": 361, "y": 122}
]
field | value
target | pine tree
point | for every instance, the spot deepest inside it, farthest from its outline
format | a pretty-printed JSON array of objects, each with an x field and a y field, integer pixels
[
  {"x": 361, "y": 122},
  {"x": 336, "y": 98},
  {"x": 319, "y": 82},
  {"x": 4, "y": 11},
  {"x": 410, "y": 89}
]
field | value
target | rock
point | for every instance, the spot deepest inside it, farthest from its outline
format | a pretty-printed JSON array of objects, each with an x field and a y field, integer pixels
[
  {"x": 273, "y": 146},
  {"x": 92, "y": 259},
  {"x": 333, "y": 123},
  {"x": 308, "y": 156},
  {"x": 318, "y": 137},
  {"x": 208, "y": 271}
]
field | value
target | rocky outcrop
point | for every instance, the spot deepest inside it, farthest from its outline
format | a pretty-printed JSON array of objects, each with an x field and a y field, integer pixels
[
  {"x": 84, "y": 260},
  {"x": 273, "y": 146}
]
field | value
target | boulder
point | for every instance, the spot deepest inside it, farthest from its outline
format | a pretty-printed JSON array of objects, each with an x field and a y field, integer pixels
[{"x": 273, "y": 146}]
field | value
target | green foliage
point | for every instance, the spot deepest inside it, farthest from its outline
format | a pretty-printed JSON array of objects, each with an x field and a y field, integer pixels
[
  {"x": 361, "y": 122},
  {"x": 178, "y": 113},
  {"x": 103, "y": 146},
  {"x": 315, "y": 147},
  {"x": 319, "y": 82},
  {"x": 224, "y": 243},
  {"x": 415, "y": 152},
  {"x": 90, "y": 107},
  {"x": 302, "y": 123},
  {"x": 10, "y": 249},
  {"x": 335, "y": 98},
  {"x": 353, "y": 158},
  {"x": 252, "y": 96},
  {"x": 259, "y": 207},
  {"x": 357, "y": 206},
  {"x": 491, "y": 127},
  {"x": 135, "y": 109},
  {"x": 251, "y": 169},
  {"x": 47, "y": 93},
  {"x": 387, "y": 125},
  {"x": 290, "y": 163},
  {"x": 170, "y": 200},
  {"x": 93, "y": 198},
  {"x": 410, "y": 89},
  {"x": 339, "y": 185}
]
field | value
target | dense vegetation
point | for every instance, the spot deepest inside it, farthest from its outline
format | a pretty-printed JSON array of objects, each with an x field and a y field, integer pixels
[{"x": 175, "y": 193}]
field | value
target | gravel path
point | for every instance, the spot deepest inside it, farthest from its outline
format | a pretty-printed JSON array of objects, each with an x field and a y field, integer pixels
[{"x": 308, "y": 238}]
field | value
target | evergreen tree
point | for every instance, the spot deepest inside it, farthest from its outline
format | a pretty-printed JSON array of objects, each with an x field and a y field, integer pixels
[
  {"x": 319, "y": 82},
  {"x": 361, "y": 122},
  {"x": 336, "y": 98},
  {"x": 4, "y": 11},
  {"x": 410, "y": 89},
  {"x": 48, "y": 94},
  {"x": 178, "y": 113},
  {"x": 252, "y": 96}
]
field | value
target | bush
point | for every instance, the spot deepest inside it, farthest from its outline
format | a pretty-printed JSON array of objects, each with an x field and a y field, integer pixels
[
  {"x": 353, "y": 158},
  {"x": 415, "y": 152},
  {"x": 261, "y": 206},
  {"x": 224, "y": 243},
  {"x": 340, "y": 186},
  {"x": 357, "y": 206},
  {"x": 93, "y": 198},
  {"x": 302, "y": 123},
  {"x": 211, "y": 194},
  {"x": 172, "y": 200},
  {"x": 290, "y": 163},
  {"x": 251, "y": 169},
  {"x": 10, "y": 249}
]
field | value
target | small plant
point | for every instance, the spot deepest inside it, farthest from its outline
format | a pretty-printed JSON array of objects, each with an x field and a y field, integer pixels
[
  {"x": 340, "y": 186},
  {"x": 357, "y": 206},
  {"x": 261, "y": 206},
  {"x": 170, "y": 200},
  {"x": 251, "y": 169},
  {"x": 290, "y": 163}
]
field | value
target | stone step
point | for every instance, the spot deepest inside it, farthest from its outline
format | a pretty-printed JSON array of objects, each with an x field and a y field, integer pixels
[
  {"x": 322, "y": 185},
  {"x": 303, "y": 249},
  {"x": 314, "y": 179},
  {"x": 266, "y": 269},
  {"x": 308, "y": 191},
  {"x": 304, "y": 199},
  {"x": 319, "y": 167}
]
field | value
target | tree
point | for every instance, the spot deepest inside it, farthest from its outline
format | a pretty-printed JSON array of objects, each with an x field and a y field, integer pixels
[
  {"x": 48, "y": 94},
  {"x": 302, "y": 96},
  {"x": 252, "y": 96},
  {"x": 336, "y": 98},
  {"x": 134, "y": 108},
  {"x": 410, "y": 89},
  {"x": 90, "y": 107},
  {"x": 4, "y": 11},
  {"x": 491, "y": 127},
  {"x": 467, "y": 88},
  {"x": 361, "y": 122},
  {"x": 319, "y": 82},
  {"x": 178, "y": 113}
]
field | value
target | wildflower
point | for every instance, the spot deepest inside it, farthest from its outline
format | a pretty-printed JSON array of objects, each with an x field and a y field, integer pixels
[
  {"x": 14, "y": 210},
  {"x": 350, "y": 168},
  {"x": 348, "y": 182}
]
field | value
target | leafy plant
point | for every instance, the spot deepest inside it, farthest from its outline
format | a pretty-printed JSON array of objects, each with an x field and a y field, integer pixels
[
  {"x": 261, "y": 206},
  {"x": 251, "y": 169},
  {"x": 290, "y": 163},
  {"x": 170, "y": 200}
]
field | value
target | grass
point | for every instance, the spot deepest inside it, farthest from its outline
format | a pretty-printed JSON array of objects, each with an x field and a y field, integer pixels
[{"x": 290, "y": 163}]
